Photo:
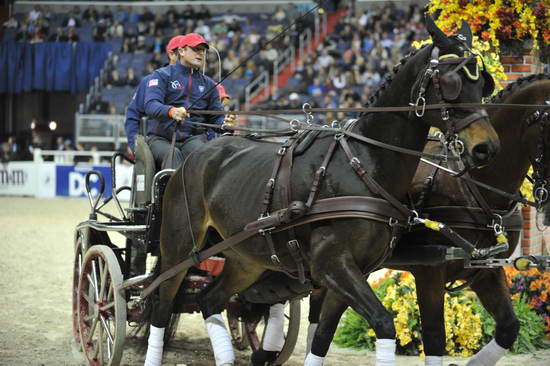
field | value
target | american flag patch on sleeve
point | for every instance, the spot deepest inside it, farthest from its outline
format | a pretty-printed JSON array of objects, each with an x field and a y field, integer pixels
[{"x": 153, "y": 82}]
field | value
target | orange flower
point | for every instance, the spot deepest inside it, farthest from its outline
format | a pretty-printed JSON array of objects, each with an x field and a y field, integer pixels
[{"x": 486, "y": 36}]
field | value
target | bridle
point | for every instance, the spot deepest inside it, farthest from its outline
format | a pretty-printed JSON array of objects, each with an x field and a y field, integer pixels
[
  {"x": 540, "y": 163},
  {"x": 447, "y": 88}
]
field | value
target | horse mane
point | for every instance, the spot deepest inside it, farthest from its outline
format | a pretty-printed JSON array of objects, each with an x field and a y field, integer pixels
[
  {"x": 388, "y": 78},
  {"x": 516, "y": 85}
]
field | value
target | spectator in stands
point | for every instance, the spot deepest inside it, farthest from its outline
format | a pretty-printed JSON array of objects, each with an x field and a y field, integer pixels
[
  {"x": 203, "y": 13},
  {"x": 71, "y": 21},
  {"x": 141, "y": 46},
  {"x": 203, "y": 29},
  {"x": 279, "y": 16},
  {"x": 250, "y": 71},
  {"x": 90, "y": 14},
  {"x": 99, "y": 106},
  {"x": 72, "y": 35},
  {"x": 100, "y": 30},
  {"x": 131, "y": 78},
  {"x": 5, "y": 153},
  {"x": 35, "y": 13},
  {"x": 116, "y": 29},
  {"x": 11, "y": 23},
  {"x": 114, "y": 79},
  {"x": 58, "y": 36},
  {"x": 59, "y": 143},
  {"x": 120, "y": 15},
  {"x": 146, "y": 15},
  {"x": 188, "y": 13},
  {"x": 317, "y": 89}
]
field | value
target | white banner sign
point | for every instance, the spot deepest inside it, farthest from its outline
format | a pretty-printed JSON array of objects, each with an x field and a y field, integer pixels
[{"x": 18, "y": 178}]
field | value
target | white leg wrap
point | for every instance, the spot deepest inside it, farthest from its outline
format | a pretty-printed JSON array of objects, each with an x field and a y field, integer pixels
[
  {"x": 312, "y": 360},
  {"x": 488, "y": 355},
  {"x": 154, "y": 347},
  {"x": 385, "y": 352},
  {"x": 220, "y": 340},
  {"x": 434, "y": 361},
  {"x": 274, "y": 339},
  {"x": 310, "y": 334}
]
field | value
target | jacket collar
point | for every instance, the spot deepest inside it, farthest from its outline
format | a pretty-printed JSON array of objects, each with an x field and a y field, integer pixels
[{"x": 184, "y": 69}]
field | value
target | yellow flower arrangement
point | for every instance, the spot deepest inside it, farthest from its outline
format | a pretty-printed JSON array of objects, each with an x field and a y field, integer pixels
[{"x": 497, "y": 21}]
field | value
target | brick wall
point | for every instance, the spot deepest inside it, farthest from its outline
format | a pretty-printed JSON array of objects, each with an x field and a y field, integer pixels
[{"x": 533, "y": 241}]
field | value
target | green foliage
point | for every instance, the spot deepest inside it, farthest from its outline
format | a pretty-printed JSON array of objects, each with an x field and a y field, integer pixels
[{"x": 531, "y": 331}]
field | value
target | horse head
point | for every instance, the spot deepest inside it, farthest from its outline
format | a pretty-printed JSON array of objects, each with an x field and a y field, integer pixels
[{"x": 456, "y": 77}]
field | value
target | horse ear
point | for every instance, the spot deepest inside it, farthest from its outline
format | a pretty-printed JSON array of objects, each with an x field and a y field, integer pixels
[
  {"x": 440, "y": 39},
  {"x": 466, "y": 32}
]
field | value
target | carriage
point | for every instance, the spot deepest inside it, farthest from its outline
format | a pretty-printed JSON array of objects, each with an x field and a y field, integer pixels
[{"x": 108, "y": 278}]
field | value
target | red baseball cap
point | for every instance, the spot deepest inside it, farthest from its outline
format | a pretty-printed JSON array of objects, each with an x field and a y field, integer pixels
[
  {"x": 192, "y": 40},
  {"x": 223, "y": 93},
  {"x": 175, "y": 42}
]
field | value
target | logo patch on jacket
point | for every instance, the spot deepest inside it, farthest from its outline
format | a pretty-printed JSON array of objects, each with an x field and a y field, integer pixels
[
  {"x": 201, "y": 88},
  {"x": 176, "y": 85},
  {"x": 153, "y": 82}
]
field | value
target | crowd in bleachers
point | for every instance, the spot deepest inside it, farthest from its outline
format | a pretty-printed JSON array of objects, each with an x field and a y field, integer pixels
[
  {"x": 343, "y": 71},
  {"x": 348, "y": 66},
  {"x": 139, "y": 40}
]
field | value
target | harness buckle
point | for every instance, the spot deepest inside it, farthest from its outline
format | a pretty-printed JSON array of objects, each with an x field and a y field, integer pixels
[
  {"x": 355, "y": 161},
  {"x": 413, "y": 218},
  {"x": 445, "y": 114},
  {"x": 275, "y": 260},
  {"x": 281, "y": 151},
  {"x": 420, "y": 103},
  {"x": 268, "y": 230},
  {"x": 392, "y": 221},
  {"x": 294, "y": 125}
]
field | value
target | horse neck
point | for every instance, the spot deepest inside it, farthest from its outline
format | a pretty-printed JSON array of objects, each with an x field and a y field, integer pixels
[
  {"x": 395, "y": 128},
  {"x": 507, "y": 171}
]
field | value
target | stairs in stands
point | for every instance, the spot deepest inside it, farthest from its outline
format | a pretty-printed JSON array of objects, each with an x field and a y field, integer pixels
[{"x": 286, "y": 72}]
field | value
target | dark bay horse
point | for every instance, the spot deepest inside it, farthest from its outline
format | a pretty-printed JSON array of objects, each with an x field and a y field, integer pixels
[
  {"x": 221, "y": 187},
  {"x": 524, "y": 139}
]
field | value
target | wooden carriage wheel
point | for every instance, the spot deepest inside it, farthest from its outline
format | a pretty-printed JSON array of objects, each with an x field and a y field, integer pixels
[
  {"x": 79, "y": 251},
  {"x": 101, "y": 308},
  {"x": 292, "y": 328}
]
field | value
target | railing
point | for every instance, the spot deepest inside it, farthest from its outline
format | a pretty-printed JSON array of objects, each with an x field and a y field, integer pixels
[
  {"x": 100, "y": 128},
  {"x": 286, "y": 57},
  {"x": 254, "y": 88},
  {"x": 67, "y": 156}
]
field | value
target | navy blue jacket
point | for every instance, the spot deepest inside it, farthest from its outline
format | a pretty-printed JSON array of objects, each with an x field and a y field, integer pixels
[
  {"x": 135, "y": 111},
  {"x": 180, "y": 86}
]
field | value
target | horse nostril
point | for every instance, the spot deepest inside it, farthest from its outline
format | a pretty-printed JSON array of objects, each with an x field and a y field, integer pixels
[{"x": 482, "y": 153}]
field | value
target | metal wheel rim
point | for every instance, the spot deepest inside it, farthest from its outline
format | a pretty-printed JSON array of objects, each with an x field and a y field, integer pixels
[
  {"x": 101, "y": 308},
  {"x": 78, "y": 259}
]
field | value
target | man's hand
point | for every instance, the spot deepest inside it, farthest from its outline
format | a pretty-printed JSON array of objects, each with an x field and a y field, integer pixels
[
  {"x": 230, "y": 120},
  {"x": 178, "y": 113}
]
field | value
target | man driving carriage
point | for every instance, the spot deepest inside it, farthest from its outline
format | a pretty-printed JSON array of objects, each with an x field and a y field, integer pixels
[{"x": 169, "y": 92}]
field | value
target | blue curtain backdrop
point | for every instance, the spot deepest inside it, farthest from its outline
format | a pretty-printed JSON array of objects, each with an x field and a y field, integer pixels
[{"x": 50, "y": 66}]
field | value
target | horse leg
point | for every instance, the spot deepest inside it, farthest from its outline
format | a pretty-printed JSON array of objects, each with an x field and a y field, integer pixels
[
  {"x": 176, "y": 241},
  {"x": 315, "y": 305},
  {"x": 213, "y": 299},
  {"x": 343, "y": 276},
  {"x": 430, "y": 293},
  {"x": 330, "y": 313},
  {"x": 273, "y": 340},
  {"x": 493, "y": 293}
]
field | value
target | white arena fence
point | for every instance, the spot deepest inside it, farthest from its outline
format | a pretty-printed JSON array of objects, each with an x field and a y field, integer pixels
[{"x": 62, "y": 177}]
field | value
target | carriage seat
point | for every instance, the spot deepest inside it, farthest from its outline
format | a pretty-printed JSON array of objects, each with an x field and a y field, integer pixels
[{"x": 144, "y": 171}]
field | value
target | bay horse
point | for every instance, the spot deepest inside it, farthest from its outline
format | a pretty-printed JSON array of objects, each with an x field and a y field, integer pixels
[
  {"x": 221, "y": 190},
  {"x": 525, "y": 141}
]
